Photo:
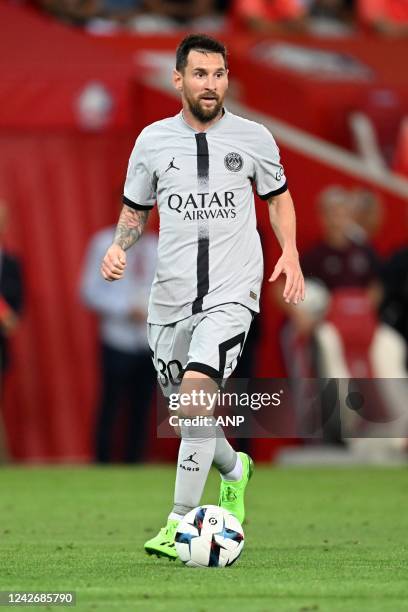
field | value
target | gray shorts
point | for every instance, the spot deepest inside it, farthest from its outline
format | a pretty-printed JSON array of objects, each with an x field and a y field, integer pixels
[{"x": 209, "y": 342}]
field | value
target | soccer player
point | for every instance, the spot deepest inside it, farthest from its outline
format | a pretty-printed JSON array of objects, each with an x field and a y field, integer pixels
[{"x": 200, "y": 166}]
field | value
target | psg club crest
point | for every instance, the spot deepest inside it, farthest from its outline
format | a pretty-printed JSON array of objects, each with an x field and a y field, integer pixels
[{"x": 233, "y": 162}]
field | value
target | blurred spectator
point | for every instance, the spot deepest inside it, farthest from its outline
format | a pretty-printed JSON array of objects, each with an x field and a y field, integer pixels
[
  {"x": 366, "y": 215},
  {"x": 331, "y": 17},
  {"x": 394, "y": 309},
  {"x": 337, "y": 261},
  {"x": 346, "y": 274},
  {"x": 342, "y": 259},
  {"x": 173, "y": 15},
  {"x": 120, "y": 10},
  {"x": 98, "y": 15},
  {"x": 388, "y": 17},
  {"x": 101, "y": 16},
  {"x": 269, "y": 16},
  {"x": 74, "y": 12},
  {"x": 11, "y": 302},
  {"x": 334, "y": 262},
  {"x": 127, "y": 373},
  {"x": 114, "y": 15},
  {"x": 352, "y": 342},
  {"x": 336, "y": 332}
]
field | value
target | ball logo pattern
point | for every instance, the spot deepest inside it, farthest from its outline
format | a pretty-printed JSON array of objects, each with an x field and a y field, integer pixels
[{"x": 209, "y": 536}]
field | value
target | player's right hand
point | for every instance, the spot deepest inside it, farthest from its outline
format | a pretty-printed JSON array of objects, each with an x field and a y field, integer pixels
[{"x": 114, "y": 263}]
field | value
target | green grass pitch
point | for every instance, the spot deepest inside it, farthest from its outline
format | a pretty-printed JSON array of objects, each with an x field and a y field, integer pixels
[{"x": 327, "y": 540}]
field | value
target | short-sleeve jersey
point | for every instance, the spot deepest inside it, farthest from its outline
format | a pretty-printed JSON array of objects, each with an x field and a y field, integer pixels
[{"x": 209, "y": 249}]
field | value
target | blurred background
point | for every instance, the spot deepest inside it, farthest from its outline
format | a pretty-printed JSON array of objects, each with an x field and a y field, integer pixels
[{"x": 80, "y": 79}]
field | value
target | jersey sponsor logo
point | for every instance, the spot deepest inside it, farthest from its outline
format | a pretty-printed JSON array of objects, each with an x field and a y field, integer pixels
[
  {"x": 204, "y": 205},
  {"x": 279, "y": 174},
  {"x": 171, "y": 166},
  {"x": 233, "y": 162}
]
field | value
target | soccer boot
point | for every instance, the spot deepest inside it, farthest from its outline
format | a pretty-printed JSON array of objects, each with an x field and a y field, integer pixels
[
  {"x": 232, "y": 492},
  {"x": 163, "y": 545}
]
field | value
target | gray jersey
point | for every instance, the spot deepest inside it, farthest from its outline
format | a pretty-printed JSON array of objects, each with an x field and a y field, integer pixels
[{"x": 209, "y": 248}]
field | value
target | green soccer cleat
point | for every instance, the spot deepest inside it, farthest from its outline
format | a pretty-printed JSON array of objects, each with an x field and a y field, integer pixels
[
  {"x": 232, "y": 491},
  {"x": 163, "y": 545}
]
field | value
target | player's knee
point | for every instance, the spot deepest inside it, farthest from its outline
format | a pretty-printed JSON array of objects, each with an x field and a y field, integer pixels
[
  {"x": 193, "y": 375},
  {"x": 198, "y": 395},
  {"x": 190, "y": 411}
]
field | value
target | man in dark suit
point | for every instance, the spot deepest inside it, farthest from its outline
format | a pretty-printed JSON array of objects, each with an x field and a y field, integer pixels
[{"x": 11, "y": 302}]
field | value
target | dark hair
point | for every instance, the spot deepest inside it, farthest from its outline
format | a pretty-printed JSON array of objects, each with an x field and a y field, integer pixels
[{"x": 198, "y": 42}]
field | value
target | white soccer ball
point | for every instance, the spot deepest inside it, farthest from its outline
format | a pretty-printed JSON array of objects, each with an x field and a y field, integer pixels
[{"x": 209, "y": 536}]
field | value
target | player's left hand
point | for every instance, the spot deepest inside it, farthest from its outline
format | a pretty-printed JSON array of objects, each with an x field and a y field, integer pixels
[{"x": 288, "y": 264}]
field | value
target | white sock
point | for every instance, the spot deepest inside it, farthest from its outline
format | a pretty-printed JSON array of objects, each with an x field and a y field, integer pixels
[
  {"x": 194, "y": 462},
  {"x": 225, "y": 457},
  {"x": 173, "y": 516},
  {"x": 236, "y": 473}
]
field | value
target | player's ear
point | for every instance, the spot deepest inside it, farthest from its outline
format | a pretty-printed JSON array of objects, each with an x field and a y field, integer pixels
[{"x": 177, "y": 80}]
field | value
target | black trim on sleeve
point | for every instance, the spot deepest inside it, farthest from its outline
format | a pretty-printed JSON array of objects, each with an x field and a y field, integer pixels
[
  {"x": 274, "y": 193},
  {"x": 133, "y": 205},
  {"x": 203, "y": 368}
]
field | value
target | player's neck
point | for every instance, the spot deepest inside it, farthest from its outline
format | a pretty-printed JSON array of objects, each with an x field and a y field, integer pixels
[{"x": 198, "y": 125}]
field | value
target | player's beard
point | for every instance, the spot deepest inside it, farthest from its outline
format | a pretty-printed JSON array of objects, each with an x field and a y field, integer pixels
[{"x": 204, "y": 115}]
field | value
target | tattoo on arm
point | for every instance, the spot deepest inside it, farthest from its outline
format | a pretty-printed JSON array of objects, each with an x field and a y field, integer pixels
[{"x": 130, "y": 226}]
